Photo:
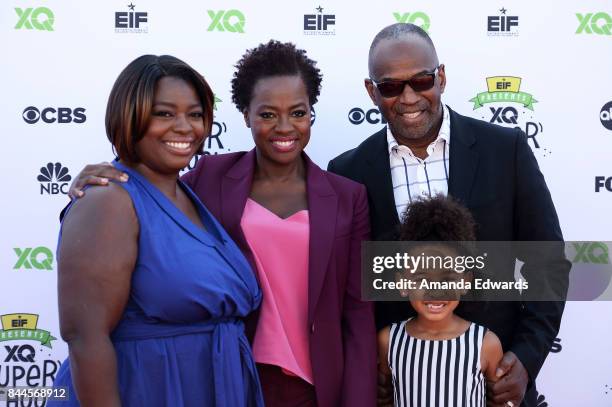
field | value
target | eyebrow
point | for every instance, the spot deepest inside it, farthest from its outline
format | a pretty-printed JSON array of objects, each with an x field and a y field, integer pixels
[
  {"x": 162, "y": 103},
  {"x": 301, "y": 104}
]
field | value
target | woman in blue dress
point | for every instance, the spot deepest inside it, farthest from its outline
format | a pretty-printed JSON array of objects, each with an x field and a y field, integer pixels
[{"x": 151, "y": 288}]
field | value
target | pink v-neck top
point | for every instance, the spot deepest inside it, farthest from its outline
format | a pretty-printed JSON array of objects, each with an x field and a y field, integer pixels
[{"x": 280, "y": 249}]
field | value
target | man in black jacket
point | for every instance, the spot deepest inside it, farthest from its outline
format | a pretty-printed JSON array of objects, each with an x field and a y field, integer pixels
[{"x": 429, "y": 149}]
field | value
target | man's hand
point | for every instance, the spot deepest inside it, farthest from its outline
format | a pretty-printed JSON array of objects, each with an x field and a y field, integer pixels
[
  {"x": 95, "y": 174},
  {"x": 511, "y": 384},
  {"x": 384, "y": 396}
]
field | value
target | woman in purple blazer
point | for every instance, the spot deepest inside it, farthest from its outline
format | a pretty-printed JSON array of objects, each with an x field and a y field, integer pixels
[{"x": 301, "y": 229}]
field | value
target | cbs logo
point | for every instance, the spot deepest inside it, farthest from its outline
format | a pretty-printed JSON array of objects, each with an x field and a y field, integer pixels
[
  {"x": 32, "y": 115},
  {"x": 372, "y": 116}
]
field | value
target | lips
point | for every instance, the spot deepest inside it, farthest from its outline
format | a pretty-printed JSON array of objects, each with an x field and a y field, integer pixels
[
  {"x": 284, "y": 145},
  {"x": 182, "y": 147},
  {"x": 412, "y": 115},
  {"x": 435, "y": 306}
]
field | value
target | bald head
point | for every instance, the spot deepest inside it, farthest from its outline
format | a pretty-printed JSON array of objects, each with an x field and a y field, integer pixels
[{"x": 400, "y": 32}]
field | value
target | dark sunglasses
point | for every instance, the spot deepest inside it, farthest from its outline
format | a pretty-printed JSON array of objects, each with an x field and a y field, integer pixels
[{"x": 419, "y": 83}]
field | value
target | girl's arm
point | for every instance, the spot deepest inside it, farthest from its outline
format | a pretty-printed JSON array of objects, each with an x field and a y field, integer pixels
[
  {"x": 96, "y": 258},
  {"x": 490, "y": 356}
]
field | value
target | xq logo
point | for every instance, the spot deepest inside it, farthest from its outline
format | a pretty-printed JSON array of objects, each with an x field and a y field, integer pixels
[
  {"x": 40, "y": 18},
  {"x": 41, "y": 258},
  {"x": 23, "y": 353},
  {"x": 591, "y": 252},
  {"x": 231, "y": 20},
  {"x": 507, "y": 115},
  {"x": 417, "y": 18},
  {"x": 599, "y": 23},
  {"x": 32, "y": 115},
  {"x": 357, "y": 116}
]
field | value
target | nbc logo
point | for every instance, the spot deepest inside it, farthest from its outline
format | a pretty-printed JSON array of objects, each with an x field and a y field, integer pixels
[{"x": 54, "y": 179}]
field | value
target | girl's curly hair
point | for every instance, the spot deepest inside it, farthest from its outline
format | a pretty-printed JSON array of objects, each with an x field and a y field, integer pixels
[{"x": 438, "y": 218}]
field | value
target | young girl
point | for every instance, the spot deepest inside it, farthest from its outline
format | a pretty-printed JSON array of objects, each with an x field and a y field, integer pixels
[{"x": 438, "y": 358}]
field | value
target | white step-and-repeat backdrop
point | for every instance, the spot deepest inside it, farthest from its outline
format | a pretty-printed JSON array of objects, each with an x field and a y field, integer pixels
[{"x": 60, "y": 59}]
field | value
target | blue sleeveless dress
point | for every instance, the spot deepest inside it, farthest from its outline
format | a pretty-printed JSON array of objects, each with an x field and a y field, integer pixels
[{"x": 181, "y": 341}]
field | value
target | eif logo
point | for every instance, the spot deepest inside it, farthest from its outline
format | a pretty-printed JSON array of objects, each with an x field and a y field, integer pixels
[
  {"x": 357, "y": 116},
  {"x": 18, "y": 327},
  {"x": 40, "y": 18},
  {"x": 54, "y": 179},
  {"x": 131, "y": 21},
  {"x": 417, "y": 18},
  {"x": 32, "y": 115},
  {"x": 39, "y": 258},
  {"x": 511, "y": 107},
  {"x": 605, "y": 115},
  {"x": 231, "y": 21},
  {"x": 319, "y": 24},
  {"x": 502, "y": 25},
  {"x": 603, "y": 182},
  {"x": 598, "y": 23},
  {"x": 591, "y": 252}
]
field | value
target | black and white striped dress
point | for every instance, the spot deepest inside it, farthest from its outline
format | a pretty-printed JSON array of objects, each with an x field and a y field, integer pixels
[{"x": 437, "y": 373}]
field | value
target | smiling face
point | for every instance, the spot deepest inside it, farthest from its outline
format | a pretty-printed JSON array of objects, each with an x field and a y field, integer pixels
[
  {"x": 435, "y": 304},
  {"x": 412, "y": 116},
  {"x": 436, "y": 294},
  {"x": 279, "y": 118},
  {"x": 176, "y": 127}
]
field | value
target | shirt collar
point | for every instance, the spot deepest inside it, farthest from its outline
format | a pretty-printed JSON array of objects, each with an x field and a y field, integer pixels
[{"x": 443, "y": 134}]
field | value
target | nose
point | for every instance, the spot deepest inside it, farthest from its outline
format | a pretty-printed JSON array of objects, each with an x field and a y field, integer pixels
[
  {"x": 409, "y": 96},
  {"x": 283, "y": 125},
  {"x": 434, "y": 294},
  {"x": 181, "y": 124}
]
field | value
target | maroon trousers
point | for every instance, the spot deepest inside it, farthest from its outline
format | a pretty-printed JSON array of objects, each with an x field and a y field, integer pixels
[{"x": 282, "y": 390}]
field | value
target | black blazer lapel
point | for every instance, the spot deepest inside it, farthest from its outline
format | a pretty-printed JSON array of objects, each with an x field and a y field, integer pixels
[
  {"x": 377, "y": 179},
  {"x": 463, "y": 160}
]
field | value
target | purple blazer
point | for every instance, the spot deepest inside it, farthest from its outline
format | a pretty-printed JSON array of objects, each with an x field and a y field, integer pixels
[{"x": 342, "y": 332}]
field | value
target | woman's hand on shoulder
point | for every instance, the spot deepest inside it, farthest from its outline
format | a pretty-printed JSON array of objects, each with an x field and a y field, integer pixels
[{"x": 95, "y": 174}]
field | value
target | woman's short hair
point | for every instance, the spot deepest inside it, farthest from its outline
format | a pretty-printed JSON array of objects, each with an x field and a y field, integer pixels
[
  {"x": 273, "y": 59},
  {"x": 130, "y": 103}
]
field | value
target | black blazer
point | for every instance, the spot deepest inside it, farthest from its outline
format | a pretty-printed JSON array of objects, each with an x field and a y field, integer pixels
[{"x": 494, "y": 173}]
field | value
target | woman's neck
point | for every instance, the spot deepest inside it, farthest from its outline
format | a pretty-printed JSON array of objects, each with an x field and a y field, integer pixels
[
  {"x": 272, "y": 171},
  {"x": 166, "y": 183}
]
